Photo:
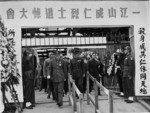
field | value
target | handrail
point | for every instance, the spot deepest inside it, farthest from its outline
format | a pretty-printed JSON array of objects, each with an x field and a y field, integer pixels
[
  {"x": 102, "y": 88},
  {"x": 90, "y": 98},
  {"x": 92, "y": 78},
  {"x": 72, "y": 95}
]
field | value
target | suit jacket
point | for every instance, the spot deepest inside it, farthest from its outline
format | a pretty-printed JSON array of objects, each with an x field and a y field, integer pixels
[
  {"x": 93, "y": 68},
  {"x": 57, "y": 70},
  {"x": 77, "y": 67}
]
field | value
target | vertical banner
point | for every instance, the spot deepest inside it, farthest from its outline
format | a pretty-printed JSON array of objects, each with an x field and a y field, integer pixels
[
  {"x": 142, "y": 78},
  {"x": 15, "y": 34}
]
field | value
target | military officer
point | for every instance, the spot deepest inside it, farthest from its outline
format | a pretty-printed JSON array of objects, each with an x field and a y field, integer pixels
[
  {"x": 57, "y": 72},
  {"x": 128, "y": 76}
]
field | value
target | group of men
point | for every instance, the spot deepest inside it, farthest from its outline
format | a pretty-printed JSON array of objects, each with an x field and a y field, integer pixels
[{"x": 56, "y": 70}]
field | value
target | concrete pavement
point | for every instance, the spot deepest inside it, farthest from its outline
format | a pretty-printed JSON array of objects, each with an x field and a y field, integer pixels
[{"x": 44, "y": 105}]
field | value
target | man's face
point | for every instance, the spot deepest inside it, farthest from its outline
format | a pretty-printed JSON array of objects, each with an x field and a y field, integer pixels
[
  {"x": 52, "y": 56},
  {"x": 93, "y": 56},
  {"x": 125, "y": 51},
  {"x": 57, "y": 56},
  {"x": 75, "y": 55}
]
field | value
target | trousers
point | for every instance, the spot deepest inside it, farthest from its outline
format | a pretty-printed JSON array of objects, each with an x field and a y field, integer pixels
[{"x": 58, "y": 91}]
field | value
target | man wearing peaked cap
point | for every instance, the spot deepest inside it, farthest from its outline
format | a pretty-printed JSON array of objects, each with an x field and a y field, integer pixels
[
  {"x": 76, "y": 51},
  {"x": 58, "y": 72},
  {"x": 128, "y": 75}
]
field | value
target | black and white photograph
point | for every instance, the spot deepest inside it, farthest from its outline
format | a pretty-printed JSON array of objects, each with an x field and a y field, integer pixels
[{"x": 74, "y": 56}]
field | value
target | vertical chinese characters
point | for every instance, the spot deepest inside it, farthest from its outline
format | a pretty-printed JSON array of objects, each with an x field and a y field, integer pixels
[{"x": 143, "y": 68}]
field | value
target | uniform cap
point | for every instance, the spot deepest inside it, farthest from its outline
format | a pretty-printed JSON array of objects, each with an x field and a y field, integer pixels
[
  {"x": 56, "y": 52},
  {"x": 76, "y": 51}
]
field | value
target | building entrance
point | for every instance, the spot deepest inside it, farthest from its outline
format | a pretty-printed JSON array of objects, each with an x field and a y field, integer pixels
[{"x": 103, "y": 41}]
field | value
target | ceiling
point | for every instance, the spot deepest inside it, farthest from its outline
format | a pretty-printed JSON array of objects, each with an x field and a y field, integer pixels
[{"x": 49, "y": 31}]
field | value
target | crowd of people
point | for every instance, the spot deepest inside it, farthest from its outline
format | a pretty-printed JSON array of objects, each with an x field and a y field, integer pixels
[{"x": 53, "y": 73}]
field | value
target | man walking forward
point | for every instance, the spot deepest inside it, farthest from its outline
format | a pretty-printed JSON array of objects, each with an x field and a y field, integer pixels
[{"x": 57, "y": 72}]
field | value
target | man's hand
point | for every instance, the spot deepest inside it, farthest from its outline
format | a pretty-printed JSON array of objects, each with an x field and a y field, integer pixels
[{"x": 48, "y": 77}]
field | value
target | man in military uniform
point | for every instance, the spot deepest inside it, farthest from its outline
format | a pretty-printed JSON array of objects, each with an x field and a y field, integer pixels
[
  {"x": 128, "y": 76},
  {"x": 77, "y": 69},
  {"x": 50, "y": 88},
  {"x": 57, "y": 72}
]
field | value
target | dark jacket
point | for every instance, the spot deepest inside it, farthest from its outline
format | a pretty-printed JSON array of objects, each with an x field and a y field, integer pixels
[
  {"x": 93, "y": 68},
  {"x": 57, "y": 70},
  {"x": 128, "y": 69},
  {"x": 29, "y": 65},
  {"x": 77, "y": 67},
  {"x": 101, "y": 69}
]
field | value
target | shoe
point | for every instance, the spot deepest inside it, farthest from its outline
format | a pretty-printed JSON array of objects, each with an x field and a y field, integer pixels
[
  {"x": 60, "y": 104},
  {"x": 29, "y": 107},
  {"x": 32, "y": 105},
  {"x": 125, "y": 100},
  {"x": 120, "y": 95},
  {"x": 130, "y": 101}
]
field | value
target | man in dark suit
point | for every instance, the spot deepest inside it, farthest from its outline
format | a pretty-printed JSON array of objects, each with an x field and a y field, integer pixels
[
  {"x": 77, "y": 69},
  {"x": 28, "y": 67},
  {"x": 128, "y": 76},
  {"x": 58, "y": 72},
  {"x": 93, "y": 70}
]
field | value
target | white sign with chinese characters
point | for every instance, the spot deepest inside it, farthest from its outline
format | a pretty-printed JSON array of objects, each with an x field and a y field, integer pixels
[
  {"x": 84, "y": 14},
  {"x": 69, "y": 13}
]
